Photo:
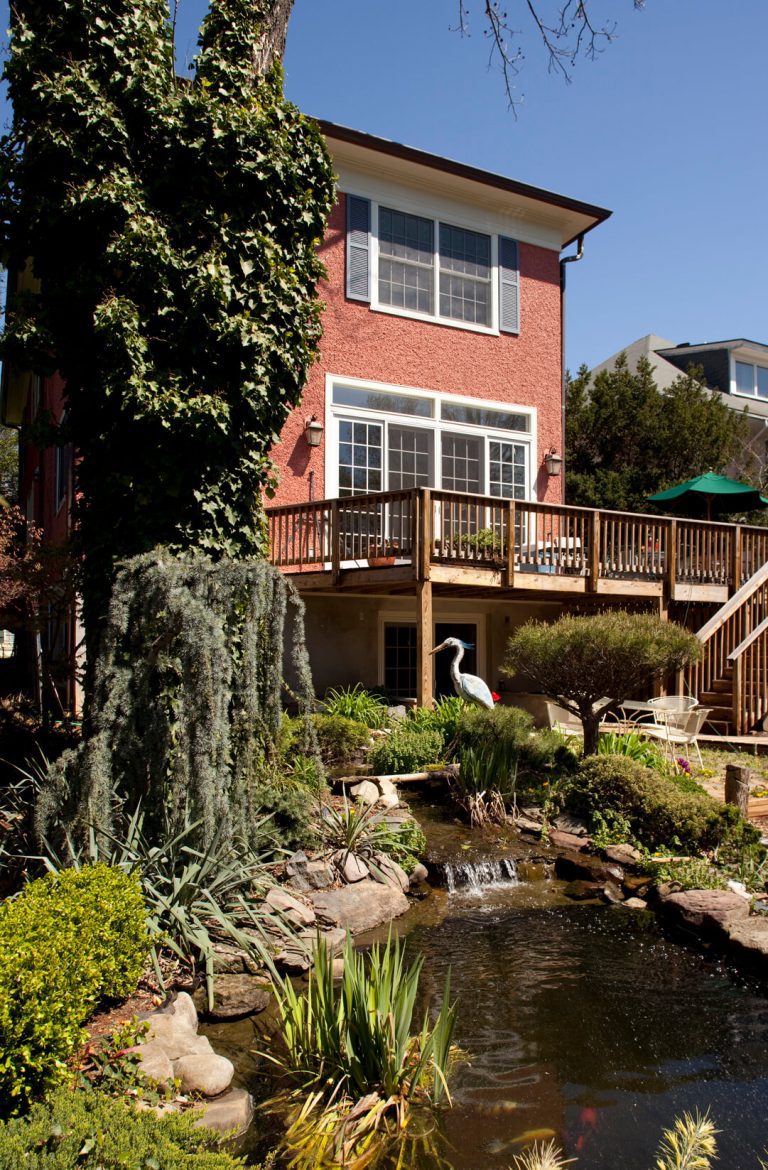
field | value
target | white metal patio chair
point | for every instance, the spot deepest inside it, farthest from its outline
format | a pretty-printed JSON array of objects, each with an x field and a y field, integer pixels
[{"x": 679, "y": 729}]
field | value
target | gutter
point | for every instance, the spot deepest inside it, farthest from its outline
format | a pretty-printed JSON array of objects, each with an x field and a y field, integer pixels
[{"x": 578, "y": 255}]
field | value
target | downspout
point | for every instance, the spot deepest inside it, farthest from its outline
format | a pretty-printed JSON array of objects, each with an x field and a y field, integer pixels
[{"x": 578, "y": 255}]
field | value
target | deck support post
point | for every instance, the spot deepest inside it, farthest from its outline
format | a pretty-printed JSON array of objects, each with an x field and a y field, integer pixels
[
  {"x": 736, "y": 561},
  {"x": 671, "y": 559},
  {"x": 423, "y": 559},
  {"x": 425, "y": 663},
  {"x": 594, "y": 553},
  {"x": 335, "y": 543},
  {"x": 511, "y": 544}
]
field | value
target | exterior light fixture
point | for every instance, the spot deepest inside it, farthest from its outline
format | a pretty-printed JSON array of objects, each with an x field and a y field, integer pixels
[
  {"x": 313, "y": 432},
  {"x": 553, "y": 461}
]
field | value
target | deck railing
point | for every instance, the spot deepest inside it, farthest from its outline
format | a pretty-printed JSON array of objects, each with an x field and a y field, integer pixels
[{"x": 423, "y": 526}]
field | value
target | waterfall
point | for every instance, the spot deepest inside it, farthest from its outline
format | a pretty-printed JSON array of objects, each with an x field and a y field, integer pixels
[{"x": 474, "y": 876}]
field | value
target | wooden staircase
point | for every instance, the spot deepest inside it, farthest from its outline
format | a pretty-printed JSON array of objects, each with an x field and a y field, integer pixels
[{"x": 731, "y": 677}]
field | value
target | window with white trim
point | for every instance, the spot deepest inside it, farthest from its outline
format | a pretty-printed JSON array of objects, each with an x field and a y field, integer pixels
[
  {"x": 384, "y": 439},
  {"x": 751, "y": 380},
  {"x": 411, "y": 264}
]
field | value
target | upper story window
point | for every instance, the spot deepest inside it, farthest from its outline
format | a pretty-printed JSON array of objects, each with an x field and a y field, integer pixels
[
  {"x": 416, "y": 266},
  {"x": 751, "y": 380}
]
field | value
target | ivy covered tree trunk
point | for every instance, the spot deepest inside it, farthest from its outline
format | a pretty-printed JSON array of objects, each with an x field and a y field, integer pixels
[{"x": 173, "y": 228}]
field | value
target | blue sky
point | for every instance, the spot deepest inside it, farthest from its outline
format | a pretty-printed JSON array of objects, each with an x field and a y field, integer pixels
[{"x": 667, "y": 128}]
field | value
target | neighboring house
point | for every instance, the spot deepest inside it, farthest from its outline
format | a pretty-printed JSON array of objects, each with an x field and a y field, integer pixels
[{"x": 736, "y": 370}]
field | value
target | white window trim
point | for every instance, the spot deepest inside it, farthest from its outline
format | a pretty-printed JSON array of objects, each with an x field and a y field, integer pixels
[
  {"x": 403, "y": 617},
  {"x": 435, "y": 318},
  {"x": 334, "y": 413},
  {"x": 747, "y": 360}
]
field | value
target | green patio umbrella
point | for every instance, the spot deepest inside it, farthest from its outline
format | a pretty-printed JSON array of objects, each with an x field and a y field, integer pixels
[{"x": 710, "y": 495}]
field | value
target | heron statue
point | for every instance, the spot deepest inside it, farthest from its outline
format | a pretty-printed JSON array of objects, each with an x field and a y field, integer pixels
[{"x": 467, "y": 686}]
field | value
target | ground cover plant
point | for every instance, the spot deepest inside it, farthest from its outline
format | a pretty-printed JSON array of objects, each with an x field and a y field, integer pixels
[
  {"x": 92, "y": 1131},
  {"x": 339, "y": 738},
  {"x": 444, "y": 717},
  {"x": 408, "y": 748},
  {"x": 68, "y": 941},
  {"x": 357, "y": 703}
]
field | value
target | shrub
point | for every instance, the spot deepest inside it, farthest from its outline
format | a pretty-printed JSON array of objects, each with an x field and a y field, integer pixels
[
  {"x": 357, "y": 703},
  {"x": 339, "y": 738},
  {"x": 95, "y": 1132},
  {"x": 407, "y": 749},
  {"x": 658, "y": 811},
  {"x": 633, "y": 746},
  {"x": 67, "y": 942},
  {"x": 443, "y": 717}
]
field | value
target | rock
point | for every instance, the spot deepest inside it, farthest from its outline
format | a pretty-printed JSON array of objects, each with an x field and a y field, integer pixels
[
  {"x": 237, "y": 996},
  {"x": 566, "y": 840},
  {"x": 565, "y": 823},
  {"x": 386, "y": 787},
  {"x": 360, "y": 907},
  {"x": 637, "y": 883},
  {"x": 366, "y": 792},
  {"x": 228, "y": 960},
  {"x": 384, "y": 869},
  {"x": 177, "y": 1040},
  {"x": 527, "y": 826},
  {"x": 388, "y": 800},
  {"x": 304, "y": 874},
  {"x": 419, "y": 874},
  {"x": 532, "y": 871},
  {"x": 337, "y": 968},
  {"x": 748, "y": 939},
  {"x": 612, "y": 893},
  {"x": 636, "y": 904},
  {"x": 353, "y": 868},
  {"x": 623, "y": 854},
  {"x": 582, "y": 867},
  {"x": 739, "y": 888},
  {"x": 180, "y": 1009},
  {"x": 231, "y": 1112},
  {"x": 533, "y": 813},
  {"x": 209, "y": 1074},
  {"x": 709, "y": 913},
  {"x": 582, "y": 891},
  {"x": 297, "y": 912},
  {"x": 154, "y": 1061},
  {"x": 396, "y": 713}
]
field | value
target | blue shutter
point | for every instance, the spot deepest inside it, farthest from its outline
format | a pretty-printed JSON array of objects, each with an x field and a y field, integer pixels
[
  {"x": 358, "y": 248},
  {"x": 509, "y": 286}
]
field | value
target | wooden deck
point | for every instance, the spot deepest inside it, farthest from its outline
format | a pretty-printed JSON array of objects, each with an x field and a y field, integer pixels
[{"x": 389, "y": 541}]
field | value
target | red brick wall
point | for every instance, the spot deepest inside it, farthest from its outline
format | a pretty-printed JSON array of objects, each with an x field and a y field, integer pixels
[{"x": 358, "y": 343}]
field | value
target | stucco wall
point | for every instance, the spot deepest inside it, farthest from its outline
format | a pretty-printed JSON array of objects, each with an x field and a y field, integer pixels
[{"x": 359, "y": 343}]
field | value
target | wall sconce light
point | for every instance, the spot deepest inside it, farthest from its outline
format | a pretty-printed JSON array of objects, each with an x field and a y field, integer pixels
[
  {"x": 313, "y": 432},
  {"x": 553, "y": 461}
]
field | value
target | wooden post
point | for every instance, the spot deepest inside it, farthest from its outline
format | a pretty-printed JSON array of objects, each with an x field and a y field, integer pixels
[
  {"x": 738, "y": 693},
  {"x": 671, "y": 559},
  {"x": 425, "y": 663},
  {"x": 425, "y": 542},
  {"x": 737, "y": 787},
  {"x": 335, "y": 543},
  {"x": 736, "y": 561},
  {"x": 511, "y": 544},
  {"x": 594, "y": 553}
]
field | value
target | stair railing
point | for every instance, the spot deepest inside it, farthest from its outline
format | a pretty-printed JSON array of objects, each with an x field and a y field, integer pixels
[
  {"x": 750, "y": 679},
  {"x": 726, "y": 634}
]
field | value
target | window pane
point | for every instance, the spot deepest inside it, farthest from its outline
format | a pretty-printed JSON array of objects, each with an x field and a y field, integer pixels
[
  {"x": 408, "y": 237},
  {"x": 383, "y": 400},
  {"x": 480, "y": 416},
  {"x": 409, "y": 457},
  {"x": 462, "y": 299},
  {"x": 465, "y": 275},
  {"x": 465, "y": 252},
  {"x": 506, "y": 471},
  {"x": 406, "y": 261},
  {"x": 461, "y": 463},
  {"x": 745, "y": 378},
  {"x": 762, "y": 381},
  {"x": 400, "y": 661},
  {"x": 405, "y": 286},
  {"x": 360, "y": 459}
]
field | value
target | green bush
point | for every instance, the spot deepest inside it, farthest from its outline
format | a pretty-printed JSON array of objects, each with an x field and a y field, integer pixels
[
  {"x": 339, "y": 738},
  {"x": 407, "y": 749},
  {"x": 357, "y": 703},
  {"x": 658, "y": 811},
  {"x": 67, "y": 942},
  {"x": 443, "y": 717},
  {"x": 90, "y": 1131},
  {"x": 499, "y": 749}
]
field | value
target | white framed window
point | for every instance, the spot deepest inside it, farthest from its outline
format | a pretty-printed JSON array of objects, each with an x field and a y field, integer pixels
[
  {"x": 750, "y": 379},
  {"x": 389, "y": 438},
  {"x": 417, "y": 266}
]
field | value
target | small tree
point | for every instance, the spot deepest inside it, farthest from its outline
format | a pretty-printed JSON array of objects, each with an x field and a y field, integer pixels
[{"x": 590, "y": 664}]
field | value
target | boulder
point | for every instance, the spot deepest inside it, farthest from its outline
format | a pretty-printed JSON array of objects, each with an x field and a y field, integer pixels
[
  {"x": 582, "y": 891},
  {"x": 384, "y": 869},
  {"x": 366, "y": 792},
  {"x": 623, "y": 854},
  {"x": 228, "y": 960},
  {"x": 637, "y": 884},
  {"x": 209, "y": 1074},
  {"x": 386, "y": 787},
  {"x": 353, "y": 868},
  {"x": 709, "y": 913},
  {"x": 565, "y": 823},
  {"x": 526, "y": 825},
  {"x": 360, "y": 907},
  {"x": 232, "y": 1112},
  {"x": 304, "y": 874},
  {"x": 154, "y": 1061},
  {"x": 582, "y": 867},
  {"x": 748, "y": 939},
  {"x": 571, "y": 841},
  {"x": 419, "y": 874},
  {"x": 182, "y": 1010},
  {"x": 395, "y": 714},
  {"x": 388, "y": 800},
  {"x": 296, "y": 911},
  {"x": 238, "y": 996},
  {"x": 636, "y": 904},
  {"x": 177, "y": 1040},
  {"x": 612, "y": 893}
]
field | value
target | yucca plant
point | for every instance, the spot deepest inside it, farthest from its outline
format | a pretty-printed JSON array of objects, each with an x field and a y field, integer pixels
[
  {"x": 364, "y": 831},
  {"x": 353, "y": 1039},
  {"x": 194, "y": 897},
  {"x": 356, "y": 703},
  {"x": 541, "y": 1157},
  {"x": 689, "y": 1145}
]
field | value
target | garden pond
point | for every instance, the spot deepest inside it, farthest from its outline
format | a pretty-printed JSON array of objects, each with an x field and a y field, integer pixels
[{"x": 580, "y": 1021}]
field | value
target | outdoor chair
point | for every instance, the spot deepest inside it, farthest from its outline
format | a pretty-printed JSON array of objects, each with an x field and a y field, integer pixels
[
  {"x": 680, "y": 729},
  {"x": 564, "y": 721},
  {"x": 674, "y": 704}
]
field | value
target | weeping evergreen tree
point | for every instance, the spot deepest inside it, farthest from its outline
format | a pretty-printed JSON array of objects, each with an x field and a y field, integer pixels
[{"x": 187, "y": 704}]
